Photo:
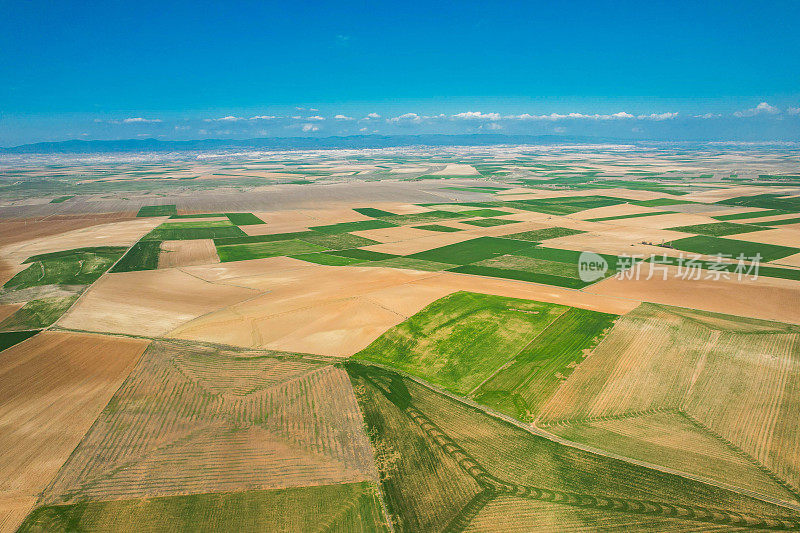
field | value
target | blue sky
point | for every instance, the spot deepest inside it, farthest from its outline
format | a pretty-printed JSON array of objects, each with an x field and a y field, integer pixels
[{"x": 673, "y": 70}]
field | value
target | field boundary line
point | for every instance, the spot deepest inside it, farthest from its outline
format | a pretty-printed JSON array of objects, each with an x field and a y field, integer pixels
[
  {"x": 535, "y": 430},
  {"x": 513, "y": 357}
]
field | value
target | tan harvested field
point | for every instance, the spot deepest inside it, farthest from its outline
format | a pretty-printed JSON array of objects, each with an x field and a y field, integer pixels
[
  {"x": 123, "y": 233},
  {"x": 12, "y": 231},
  {"x": 199, "y": 420},
  {"x": 6, "y": 310},
  {"x": 52, "y": 387},
  {"x": 339, "y": 310},
  {"x": 612, "y": 211},
  {"x": 187, "y": 253},
  {"x": 737, "y": 377},
  {"x": 669, "y": 438},
  {"x": 784, "y": 236},
  {"x": 765, "y": 298},
  {"x": 456, "y": 170},
  {"x": 149, "y": 302}
]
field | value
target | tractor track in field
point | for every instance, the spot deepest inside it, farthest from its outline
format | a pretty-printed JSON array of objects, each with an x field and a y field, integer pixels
[{"x": 494, "y": 486}]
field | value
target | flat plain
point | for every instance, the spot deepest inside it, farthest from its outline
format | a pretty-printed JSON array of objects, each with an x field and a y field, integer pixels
[{"x": 401, "y": 339}]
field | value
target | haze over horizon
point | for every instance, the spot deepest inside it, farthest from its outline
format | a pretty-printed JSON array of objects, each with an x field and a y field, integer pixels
[{"x": 664, "y": 70}]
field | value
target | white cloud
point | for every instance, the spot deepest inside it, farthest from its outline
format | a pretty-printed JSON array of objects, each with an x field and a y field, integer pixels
[
  {"x": 476, "y": 115},
  {"x": 493, "y": 126},
  {"x": 707, "y": 116},
  {"x": 316, "y": 117},
  {"x": 793, "y": 110},
  {"x": 761, "y": 109},
  {"x": 342, "y": 117},
  {"x": 229, "y": 118},
  {"x": 658, "y": 116},
  {"x": 263, "y": 117},
  {"x": 140, "y": 120},
  {"x": 407, "y": 118},
  {"x": 558, "y": 116},
  {"x": 310, "y": 127},
  {"x": 371, "y": 116},
  {"x": 297, "y": 117}
]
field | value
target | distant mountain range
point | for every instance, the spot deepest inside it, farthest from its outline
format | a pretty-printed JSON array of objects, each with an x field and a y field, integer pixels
[{"x": 293, "y": 143}]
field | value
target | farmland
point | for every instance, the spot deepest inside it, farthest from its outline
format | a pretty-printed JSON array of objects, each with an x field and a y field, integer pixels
[{"x": 401, "y": 339}]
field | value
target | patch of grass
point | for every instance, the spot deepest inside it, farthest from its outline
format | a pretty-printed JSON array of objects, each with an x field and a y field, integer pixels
[
  {"x": 347, "y": 227},
  {"x": 61, "y": 199},
  {"x": 766, "y": 201},
  {"x": 338, "y": 241},
  {"x": 571, "y": 257},
  {"x": 420, "y": 218},
  {"x": 411, "y": 264},
  {"x": 783, "y": 222},
  {"x": 543, "y": 234},
  {"x": 706, "y": 245},
  {"x": 202, "y": 230},
  {"x": 484, "y": 213},
  {"x": 533, "y": 375},
  {"x": 459, "y": 340},
  {"x": 81, "y": 266},
  {"x": 565, "y": 206},
  {"x": 521, "y": 275},
  {"x": 250, "y": 239},
  {"x": 200, "y": 215},
  {"x": 339, "y": 507},
  {"x": 244, "y": 219},
  {"x": 731, "y": 268},
  {"x": 659, "y": 202},
  {"x": 243, "y": 252},
  {"x": 489, "y": 222},
  {"x": 141, "y": 256},
  {"x": 531, "y": 264},
  {"x": 717, "y": 229},
  {"x": 38, "y": 313},
  {"x": 374, "y": 213},
  {"x": 753, "y": 214},
  {"x": 157, "y": 211},
  {"x": 10, "y": 338},
  {"x": 193, "y": 224},
  {"x": 438, "y": 227},
  {"x": 470, "y": 251},
  {"x": 635, "y": 215},
  {"x": 366, "y": 255},
  {"x": 325, "y": 258}
]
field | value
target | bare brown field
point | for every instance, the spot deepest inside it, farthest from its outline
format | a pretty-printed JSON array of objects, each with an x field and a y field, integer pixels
[
  {"x": 123, "y": 233},
  {"x": 663, "y": 222},
  {"x": 339, "y": 310},
  {"x": 765, "y": 298},
  {"x": 52, "y": 387},
  {"x": 187, "y": 253},
  {"x": 18, "y": 230},
  {"x": 737, "y": 377},
  {"x": 6, "y": 310},
  {"x": 197, "y": 420},
  {"x": 149, "y": 302}
]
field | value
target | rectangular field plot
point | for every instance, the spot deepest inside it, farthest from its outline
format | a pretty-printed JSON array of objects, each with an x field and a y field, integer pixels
[
  {"x": 346, "y": 227},
  {"x": 157, "y": 211},
  {"x": 141, "y": 256},
  {"x": 244, "y": 219},
  {"x": 461, "y": 339},
  {"x": 438, "y": 227},
  {"x": 717, "y": 229},
  {"x": 337, "y": 241},
  {"x": 204, "y": 420},
  {"x": 442, "y": 461},
  {"x": 325, "y": 258},
  {"x": 489, "y": 222},
  {"x": 187, "y": 253},
  {"x": 243, "y": 252},
  {"x": 39, "y": 313},
  {"x": 634, "y": 215},
  {"x": 733, "y": 375},
  {"x": 188, "y": 230},
  {"x": 470, "y": 251},
  {"x": 341, "y": 507},
  {"x": 544, "y": 234},
  {"x": 702, "y": 244}
]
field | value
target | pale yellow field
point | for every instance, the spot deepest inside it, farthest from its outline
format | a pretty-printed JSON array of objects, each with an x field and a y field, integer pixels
[{"x": 187, "y": 253}]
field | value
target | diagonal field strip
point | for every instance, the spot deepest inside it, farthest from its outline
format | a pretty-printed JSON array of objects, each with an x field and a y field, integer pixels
[{"x": 494, "y": 485}]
